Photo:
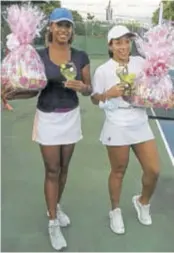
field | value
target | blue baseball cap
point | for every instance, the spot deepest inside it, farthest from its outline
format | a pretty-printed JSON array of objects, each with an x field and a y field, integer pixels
[{"x": 61, "y": 14}]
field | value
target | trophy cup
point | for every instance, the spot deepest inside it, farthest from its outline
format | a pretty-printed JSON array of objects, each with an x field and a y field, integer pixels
[
  {"x": 126, "y": 79},
  {"x": 68, "y": 70}
]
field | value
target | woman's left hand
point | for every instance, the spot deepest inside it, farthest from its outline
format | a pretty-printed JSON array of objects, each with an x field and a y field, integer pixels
[{"x": 76, "y": 85}]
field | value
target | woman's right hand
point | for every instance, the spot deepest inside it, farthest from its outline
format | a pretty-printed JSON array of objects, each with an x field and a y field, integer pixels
[{"x": 115, "y": 91}]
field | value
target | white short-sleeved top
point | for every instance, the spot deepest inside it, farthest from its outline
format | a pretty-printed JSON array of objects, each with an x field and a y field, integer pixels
[{"x": 104, "y": 78}]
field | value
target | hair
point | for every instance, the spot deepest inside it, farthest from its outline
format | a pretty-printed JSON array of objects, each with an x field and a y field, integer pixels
[{"x": 110, "y": 53}]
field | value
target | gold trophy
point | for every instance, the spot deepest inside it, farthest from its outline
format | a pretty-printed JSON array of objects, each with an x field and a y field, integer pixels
[
  {"x": 126, "y": 79},
  {"x": 69, "y": 71}
]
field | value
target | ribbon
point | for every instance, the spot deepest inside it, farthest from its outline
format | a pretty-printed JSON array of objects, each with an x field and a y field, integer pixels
[{"x": 12, "y": 42}]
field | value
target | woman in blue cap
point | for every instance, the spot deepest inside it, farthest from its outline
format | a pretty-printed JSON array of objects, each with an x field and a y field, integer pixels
[{"x": 57, "y": 125}]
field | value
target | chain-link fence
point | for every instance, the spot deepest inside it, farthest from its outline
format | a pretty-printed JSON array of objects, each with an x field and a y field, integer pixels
[{"x": 90, "y": 36}]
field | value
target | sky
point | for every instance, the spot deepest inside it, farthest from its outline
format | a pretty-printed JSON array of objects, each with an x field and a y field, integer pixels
[{"x": 131, "y": 8}]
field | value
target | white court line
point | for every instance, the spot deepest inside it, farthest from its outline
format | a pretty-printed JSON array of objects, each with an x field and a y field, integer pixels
[{"x": 164, "y": 139}]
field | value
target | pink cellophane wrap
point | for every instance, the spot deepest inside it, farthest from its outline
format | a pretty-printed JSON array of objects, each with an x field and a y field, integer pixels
[
  {"x": 22, "y": 68},
  {"x": 153, "y": 86},
  {"x": 153, "y": 92}
]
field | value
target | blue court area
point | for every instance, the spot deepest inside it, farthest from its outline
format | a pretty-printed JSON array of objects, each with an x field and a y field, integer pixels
[{"x": 167, "y": 127}]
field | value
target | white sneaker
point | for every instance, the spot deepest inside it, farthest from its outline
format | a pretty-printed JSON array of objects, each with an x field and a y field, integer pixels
[
  {"x": 143, "y": 211},
  {"x": 56, "y": 237},
  {"x": 116, "y": 221},
  {"x": 62, "y": 217}
]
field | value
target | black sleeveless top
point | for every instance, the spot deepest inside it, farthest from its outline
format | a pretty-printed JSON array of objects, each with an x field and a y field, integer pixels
[{"x": 55, "y": 96}]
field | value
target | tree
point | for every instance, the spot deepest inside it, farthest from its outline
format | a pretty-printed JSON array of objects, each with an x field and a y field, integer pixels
[
  {"x": 49, "y": 6},
  {"x": 90, "y": 17},
  {"x": 8, "y": 3},
  {"x": 78, "y": 19},
  {"x": 168, "y": 12},
  {"x": 76, "y": 15}
]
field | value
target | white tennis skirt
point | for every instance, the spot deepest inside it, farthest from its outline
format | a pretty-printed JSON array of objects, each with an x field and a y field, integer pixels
[
  {"x": 57, "y": 128},
  {"x": 115, "y": 135}
]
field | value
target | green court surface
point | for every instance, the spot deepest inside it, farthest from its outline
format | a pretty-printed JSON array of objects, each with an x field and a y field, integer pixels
[{"x": 24, "y": 221}]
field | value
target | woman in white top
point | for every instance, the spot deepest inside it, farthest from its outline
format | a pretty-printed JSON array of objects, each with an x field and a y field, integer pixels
[{"x": 125, "y": 127}]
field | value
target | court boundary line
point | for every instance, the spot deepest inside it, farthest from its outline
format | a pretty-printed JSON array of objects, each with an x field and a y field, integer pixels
[{"x": 164, "y": 138}]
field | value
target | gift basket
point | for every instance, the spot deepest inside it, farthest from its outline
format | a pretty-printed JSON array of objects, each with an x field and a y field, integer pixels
[
  {"x": 153, "y": 87},
  {"x": 22, "y": 70}
]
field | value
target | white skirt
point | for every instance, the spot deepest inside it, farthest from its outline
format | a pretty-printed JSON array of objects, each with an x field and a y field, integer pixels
[
  {"x": 57, "y": 128},
  {"x": 116, "y": 135}
]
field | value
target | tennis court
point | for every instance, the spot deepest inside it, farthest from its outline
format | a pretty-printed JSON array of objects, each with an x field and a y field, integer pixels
[
  {"x": 86, "y": 200},
  {"x": 166, "y": 127}
]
